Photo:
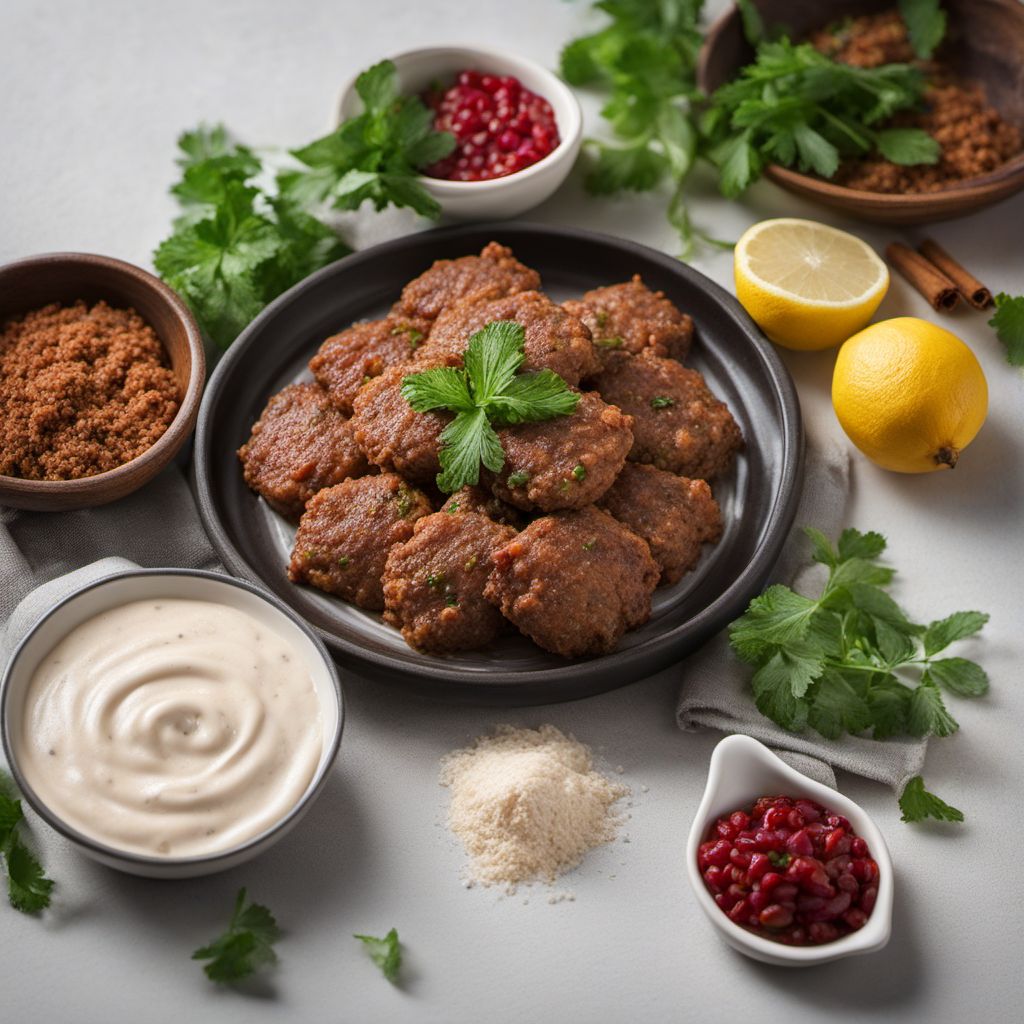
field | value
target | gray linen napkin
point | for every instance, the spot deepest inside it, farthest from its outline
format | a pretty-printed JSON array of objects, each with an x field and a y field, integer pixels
[
  {"x": 716, "y": 685},
  {"x": 44, "y": 556}
]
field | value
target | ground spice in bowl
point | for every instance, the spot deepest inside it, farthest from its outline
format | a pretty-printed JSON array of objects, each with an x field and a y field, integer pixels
[
  {"x": 528, "y": 804},
  {"x": 973, "y": 137},
  {"x": 83, "y": 389}
]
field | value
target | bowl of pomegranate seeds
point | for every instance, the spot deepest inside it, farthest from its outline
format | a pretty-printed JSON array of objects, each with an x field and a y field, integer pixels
[
  {"x": 789, "y": 871},
  {"x": 517, "y": 128}
]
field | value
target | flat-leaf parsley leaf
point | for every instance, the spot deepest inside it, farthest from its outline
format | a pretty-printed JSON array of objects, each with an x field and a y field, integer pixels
[
  {"x": 386, "y": 953},
  {"x": 245, "y": 947},
  {"x": 837, "y": 662},
  {"x": 28, "y": 888},
  {"x": 1008, "y": 322},
  {"x": 487, "y": 391}
]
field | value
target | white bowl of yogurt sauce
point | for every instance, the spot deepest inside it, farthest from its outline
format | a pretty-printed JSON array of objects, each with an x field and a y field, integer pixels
[{"x": 171, "y": 722}]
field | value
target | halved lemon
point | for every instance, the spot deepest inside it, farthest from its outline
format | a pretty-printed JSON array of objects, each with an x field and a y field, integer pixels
[{"x": 805, "y": 284}]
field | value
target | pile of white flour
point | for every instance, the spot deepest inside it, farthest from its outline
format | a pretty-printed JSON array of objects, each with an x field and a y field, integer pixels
[{"x": 527, "y": 804}]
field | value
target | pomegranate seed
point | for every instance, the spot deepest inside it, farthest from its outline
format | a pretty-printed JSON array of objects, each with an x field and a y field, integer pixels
[
  {"x": 785, "y": 892},
  {"x": 739, "y": 911},
  {"x": 859, "y": 848},
  {"x": 771, "y": 880},
  {"x": 739, "y": 858},
  {"x": 726, "y": 829},
  {"x": 758, "y": 900},
  {"x": 714, "y": 880},
  {"x": 774, "y": 916},
  {"x": 809, "y": 810},
  {"x": 718, "y": 854},
  {"x": 855, "y": 918},
  {"x": 795, "y": 819},
  {"x": 821, "y": 931},
  {"x": 774, "y": 817},
  {"x": 760, "y": 865},
  {"x": 837, "y": 842},
  {"x": 867, "y": 898},
  {"x": 739, "y": 819},
  {"x": 799, "y": 844},
  {"x": 847, "y": 883}
]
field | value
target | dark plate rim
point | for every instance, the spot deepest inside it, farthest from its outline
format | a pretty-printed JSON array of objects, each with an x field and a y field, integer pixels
[{"x": 654, "y": 654}]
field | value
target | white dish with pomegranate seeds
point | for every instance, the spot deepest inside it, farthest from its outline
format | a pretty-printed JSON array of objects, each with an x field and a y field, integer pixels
[
  {"x": 741, "y": 771},
  {"x": 514, "y": 193}
]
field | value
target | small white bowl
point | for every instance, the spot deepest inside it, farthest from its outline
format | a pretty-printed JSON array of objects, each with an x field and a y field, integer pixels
[
  {"x": 741, "y": 770},
  {"x": 500, "y": 197},
  {"x": 140, "y": 585}
]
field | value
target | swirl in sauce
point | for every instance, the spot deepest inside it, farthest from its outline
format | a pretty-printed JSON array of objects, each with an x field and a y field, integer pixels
[{"x": 171, "y": 727}]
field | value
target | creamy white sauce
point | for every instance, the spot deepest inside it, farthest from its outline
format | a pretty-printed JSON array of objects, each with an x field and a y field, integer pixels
[{"x": 171, "y": 727}]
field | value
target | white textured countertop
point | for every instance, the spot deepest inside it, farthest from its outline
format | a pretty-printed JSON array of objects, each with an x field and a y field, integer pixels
[{"x": 92, "y": 96}]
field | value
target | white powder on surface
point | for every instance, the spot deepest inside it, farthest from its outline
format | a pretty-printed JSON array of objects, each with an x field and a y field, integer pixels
[{"x": 527, "y": 804}]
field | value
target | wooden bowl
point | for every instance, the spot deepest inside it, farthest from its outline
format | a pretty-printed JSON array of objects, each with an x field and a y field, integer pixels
[
  {"x": 65, "y": 277},
  {"x": 986, "y": 44}
]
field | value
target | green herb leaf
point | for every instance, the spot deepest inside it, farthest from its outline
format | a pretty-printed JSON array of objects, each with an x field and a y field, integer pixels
[
  {"x": 958, "y": 675},
  {"x": 245, "y": 947},
  {"x": 839, "y": 662},
  {"x": 917, "y": 803},
  {"x": 28, "y": 888},
  {"x": 1008, "y": 322},
  {"x": 386, "y": 953},
  {"x": 926, "y": 25},
  {"x": 907, "y": 146},
  {"x": 486, "y": 392},
  {"x": 940, "y": 634}
]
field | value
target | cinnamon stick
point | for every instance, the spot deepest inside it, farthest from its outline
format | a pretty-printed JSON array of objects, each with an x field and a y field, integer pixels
[
  {"x": 927, "y": 278},
  {"x": 966, "y": 283}
]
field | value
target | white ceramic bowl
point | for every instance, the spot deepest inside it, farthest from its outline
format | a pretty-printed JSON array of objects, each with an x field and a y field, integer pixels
[
  {"x": 500, "y": 197},
  {"x": 741, "y": 770},
  {"x": 143, "y": 584}
]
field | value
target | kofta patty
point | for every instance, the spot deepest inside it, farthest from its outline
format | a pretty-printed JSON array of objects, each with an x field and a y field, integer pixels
[
  {"x": 434, "y": 583},
  {"x": 347, "y": 361},
  {"x": 482, "y": 502},
  {"x": 674, "y": 514},
  {"x": 495, "y": 272},
  {"x": 554, "y": 339},
  {"x": 629, "y": 317},
  {"x": 574, "y": 582},
  {"x": 392, "y": 434},
  {"x": 300, "y": 444},
  {"x": 346, "y": 532},
  {"x": 567, "y": 462},
  {"x": 678, "y": 424}
]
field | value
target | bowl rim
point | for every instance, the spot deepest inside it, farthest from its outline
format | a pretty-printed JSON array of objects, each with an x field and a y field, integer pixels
[
  {"x": 184, "y": 419},
  {"x": 969, "y": 188},
  {"x": 876, "y": 931},
  {"x": 569, "y": 136},
  {"x": 105, "y": 850}
]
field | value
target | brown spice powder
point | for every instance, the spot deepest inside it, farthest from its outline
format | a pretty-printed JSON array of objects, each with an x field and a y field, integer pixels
[
  {"x": 83, "y": 389},
  {"x": 973, "y": 137}
]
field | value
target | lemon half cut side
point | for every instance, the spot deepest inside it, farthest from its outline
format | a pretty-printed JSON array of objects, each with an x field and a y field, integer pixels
[{"x": 805, "y": 284}]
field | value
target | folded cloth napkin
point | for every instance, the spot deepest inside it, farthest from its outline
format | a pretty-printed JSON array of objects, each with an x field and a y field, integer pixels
[
  {"x": 716, "y": 684},
  {"x": 45, "y": 556}
]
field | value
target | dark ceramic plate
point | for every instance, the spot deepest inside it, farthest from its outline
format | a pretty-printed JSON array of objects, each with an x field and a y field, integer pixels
[{"x": 758, "y": 497}]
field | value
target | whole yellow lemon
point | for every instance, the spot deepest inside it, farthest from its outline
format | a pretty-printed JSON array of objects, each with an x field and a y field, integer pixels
[{"x": 911, "y": 396}]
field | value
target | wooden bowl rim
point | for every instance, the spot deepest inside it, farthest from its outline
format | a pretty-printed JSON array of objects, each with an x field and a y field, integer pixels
[
  {"x": 1010, "y": 174},
  {"x": 163, "y": 449}
]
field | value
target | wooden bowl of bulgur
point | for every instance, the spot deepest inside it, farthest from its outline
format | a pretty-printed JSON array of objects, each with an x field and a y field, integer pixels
[
  {"x": 974, "y": 109},
  {"x": 101, "y": 373}
]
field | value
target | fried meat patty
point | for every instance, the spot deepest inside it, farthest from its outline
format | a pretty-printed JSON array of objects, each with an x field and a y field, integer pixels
[
  {"x": 495, "y": 272},
  {"x": 392, "y": 434},
  {"x": 347, "y": 361},
  {"x": 574, "y": 582},
  {"x": 434, "y": 583},
  {"x": 300, "y": 444},
  {"x": 678, "y": 424},
  {"x": 629, "y": 317},
  {"x": 483, "y": 502},
  {"x": 346, "y": 532},
  {"x": 674, "y": 514},
  {"x": 555, "y": 340},
  {"x": 567, "y": 462}
]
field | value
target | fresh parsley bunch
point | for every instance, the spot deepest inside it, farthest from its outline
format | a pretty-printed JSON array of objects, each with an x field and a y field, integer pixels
[
  {"x": 839, "y": 662},
  {"x": 246, "y": 946},
  {"x": 28, "y": 888},
  {"x": 487, "y": 391},
  {"x": 646, "y": 59},
  {"x": 795, "y": 106},
  {"x": 235, "y": 247},
  {"x": 375, "y": 156}
]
